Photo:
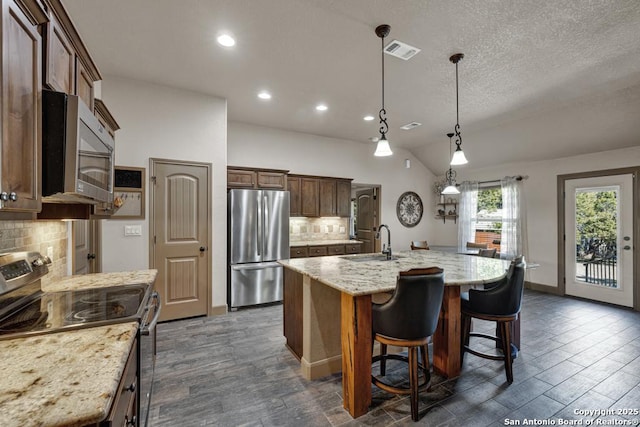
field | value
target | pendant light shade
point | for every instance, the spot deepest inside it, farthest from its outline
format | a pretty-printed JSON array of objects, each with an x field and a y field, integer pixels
[
  {"x": 458, "y": 157},
  {"x": 383, "y": 148},
  {"x": 451, "y": 175},
  {"x": 450, "y": 189}
]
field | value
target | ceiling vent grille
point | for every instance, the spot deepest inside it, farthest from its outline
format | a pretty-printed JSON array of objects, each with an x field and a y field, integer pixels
[
  {"x": 410, "y": 126},
  {"x": 401, "y": 50}
]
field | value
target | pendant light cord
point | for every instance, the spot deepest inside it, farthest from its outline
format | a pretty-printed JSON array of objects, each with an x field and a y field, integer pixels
[
  {"x": 384, "y": 128},
  {"x": 457, "y": 127}
]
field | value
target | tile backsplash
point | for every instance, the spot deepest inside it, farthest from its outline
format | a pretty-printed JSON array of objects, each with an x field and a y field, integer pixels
[
  {"x": 37, "y": 236},
  {"x": 304, "y": 229}
]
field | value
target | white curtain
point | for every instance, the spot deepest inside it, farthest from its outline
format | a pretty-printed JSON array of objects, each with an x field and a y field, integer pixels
[
  {"x": 513, "y": 241},
  {"x": 468, "y": 211}
]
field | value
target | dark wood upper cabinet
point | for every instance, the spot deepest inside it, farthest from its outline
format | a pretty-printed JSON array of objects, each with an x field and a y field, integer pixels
[
  {"x": 238, "y": 178},
  {"x": 68, "y": 66},
  {"x": 21, "y": 138},
  {"x": 254, "y": 178},
  {"x": 327, "y": 197},
  {"x": 295, "y": 199},
  {"x": 343, "y": 197},
  {"x": 84, "y": 84},
  {"x": 312, "y": 196},
  {"x": 309, "y": 191},
  {"x": 60, "y": 72}
]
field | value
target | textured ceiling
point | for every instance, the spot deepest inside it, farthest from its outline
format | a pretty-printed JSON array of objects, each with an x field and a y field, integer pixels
[{"x": 540, "y": 79}]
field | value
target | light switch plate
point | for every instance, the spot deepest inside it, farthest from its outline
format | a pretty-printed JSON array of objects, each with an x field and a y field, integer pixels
[{"x": 133, "y": 230}]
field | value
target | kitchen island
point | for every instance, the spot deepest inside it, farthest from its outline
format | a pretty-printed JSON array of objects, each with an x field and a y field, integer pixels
[
  {"x": 68, "y": 378},
  {"x": 327, "y": 312}
]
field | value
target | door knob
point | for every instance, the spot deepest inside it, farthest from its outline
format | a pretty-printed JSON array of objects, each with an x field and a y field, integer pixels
[
  {"x": 4, "y": 196},
  {"x": 13, "y": 196},
  {"x": 202, "y": 248},
  {"x": 91, "y": 256}
]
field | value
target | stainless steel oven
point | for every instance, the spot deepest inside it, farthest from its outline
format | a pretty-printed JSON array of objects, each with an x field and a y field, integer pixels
[{"x": 25, "y": 310}]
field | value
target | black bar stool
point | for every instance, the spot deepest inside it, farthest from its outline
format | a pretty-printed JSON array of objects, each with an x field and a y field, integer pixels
[{"x": 408, "y": 319}]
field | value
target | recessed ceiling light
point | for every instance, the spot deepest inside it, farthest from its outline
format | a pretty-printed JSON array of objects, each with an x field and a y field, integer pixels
[
  {"x": 226, "y": 40},
  {"x": 368, "y": 118},
  {"x": 321, "y": 107},
  {"x": 264, "y": 95}
]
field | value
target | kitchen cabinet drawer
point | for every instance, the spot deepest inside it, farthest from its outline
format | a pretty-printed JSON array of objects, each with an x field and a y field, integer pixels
[
  {"x": 317, "y": 250},
  {"x": 353, "y": 248},
  {"x": 299, "y": 252},
  {"x": 335, "y": 250}
]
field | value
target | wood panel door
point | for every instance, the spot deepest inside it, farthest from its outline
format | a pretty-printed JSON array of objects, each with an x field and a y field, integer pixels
[
  {"x": 180, "y": 220},
  {"x": 86, "y": 255},
  {"x": 366, "y": 218}
]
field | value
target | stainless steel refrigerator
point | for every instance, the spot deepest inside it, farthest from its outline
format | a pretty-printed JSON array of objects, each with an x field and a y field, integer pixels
[{"x": 258, "y": 236}]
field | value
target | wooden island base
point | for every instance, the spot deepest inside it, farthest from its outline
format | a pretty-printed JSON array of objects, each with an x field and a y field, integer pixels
[{"x": 327, "y": 314}]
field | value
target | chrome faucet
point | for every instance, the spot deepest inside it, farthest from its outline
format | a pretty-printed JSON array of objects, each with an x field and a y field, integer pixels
[{"x": 387, "y": 250}]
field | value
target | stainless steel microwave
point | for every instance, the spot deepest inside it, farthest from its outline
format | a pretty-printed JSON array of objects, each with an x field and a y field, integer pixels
[{"x": 77, "y": 152}]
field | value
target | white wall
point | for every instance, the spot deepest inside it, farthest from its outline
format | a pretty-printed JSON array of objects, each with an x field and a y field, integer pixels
[
  {"x": 541, "y": 199},
  {"x": 163, "y": 122},
  {"x": 300, "y": 153}
]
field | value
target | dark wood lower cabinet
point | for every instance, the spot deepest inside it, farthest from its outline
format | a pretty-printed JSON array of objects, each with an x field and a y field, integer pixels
[
  {"x": 124, "y": 410},
  {"x": 292, "y": 307}
]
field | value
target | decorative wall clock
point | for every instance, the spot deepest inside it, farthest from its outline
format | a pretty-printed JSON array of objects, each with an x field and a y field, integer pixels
[{"x": 409, "y": 209}]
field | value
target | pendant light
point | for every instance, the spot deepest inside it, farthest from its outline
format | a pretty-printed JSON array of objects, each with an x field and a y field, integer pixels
[
  {"x": 450, "y": 175},
  {"x": 383, "y": 148},
  {"x": 458, "y": 157}
]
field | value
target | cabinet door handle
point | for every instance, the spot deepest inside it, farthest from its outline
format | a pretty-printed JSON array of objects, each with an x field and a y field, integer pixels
[
  {"x": 13, "y": 196},
  {"x": 4, "y": 196}
]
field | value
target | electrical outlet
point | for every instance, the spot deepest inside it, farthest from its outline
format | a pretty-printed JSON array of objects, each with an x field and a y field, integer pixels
[{"x": 50, "y": 252}]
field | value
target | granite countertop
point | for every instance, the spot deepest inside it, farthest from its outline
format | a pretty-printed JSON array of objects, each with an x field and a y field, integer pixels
[
  {"x": 323, "y": 242},
  {"x": 100, "y": 280},
  {"x": 370, "y": 277},
  {"x": 67, "y": 378},
  {"x": 62, "y": 379}
]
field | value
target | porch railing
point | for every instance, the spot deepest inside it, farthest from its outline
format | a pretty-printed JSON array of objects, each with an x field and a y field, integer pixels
[{"x": 600, "y": 272}]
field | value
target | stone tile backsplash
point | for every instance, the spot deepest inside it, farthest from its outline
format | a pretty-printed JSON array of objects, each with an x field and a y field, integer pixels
[
  {"x": 303, "y": 229},
  {"x": 37, "y": 236}
]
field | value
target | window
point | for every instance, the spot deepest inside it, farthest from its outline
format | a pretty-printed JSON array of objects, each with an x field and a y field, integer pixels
[{"x": 489, "y": 217}]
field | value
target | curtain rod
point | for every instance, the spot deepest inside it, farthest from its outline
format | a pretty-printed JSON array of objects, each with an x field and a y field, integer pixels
[{"x": 497, "y": 181}]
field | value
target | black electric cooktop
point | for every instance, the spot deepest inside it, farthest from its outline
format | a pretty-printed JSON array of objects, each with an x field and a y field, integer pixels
[{"x": 55, "y": 311}]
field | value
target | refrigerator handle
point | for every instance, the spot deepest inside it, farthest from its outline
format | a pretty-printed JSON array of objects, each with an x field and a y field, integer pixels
[
  {"x": 259, "y": 226},
  {"x": 265, "y": 235}
]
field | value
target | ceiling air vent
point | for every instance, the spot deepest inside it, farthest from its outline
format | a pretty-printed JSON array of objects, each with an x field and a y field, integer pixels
[
  {"x": 410, "y": 126},
  {"x": 401, "y": 50}
]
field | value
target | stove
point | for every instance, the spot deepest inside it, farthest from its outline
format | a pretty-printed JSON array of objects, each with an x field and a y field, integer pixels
[{"x": 26, "y": 310}]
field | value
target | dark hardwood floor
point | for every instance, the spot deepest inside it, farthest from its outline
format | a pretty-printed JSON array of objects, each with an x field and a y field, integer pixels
[{"x": 234, "y": 370}]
